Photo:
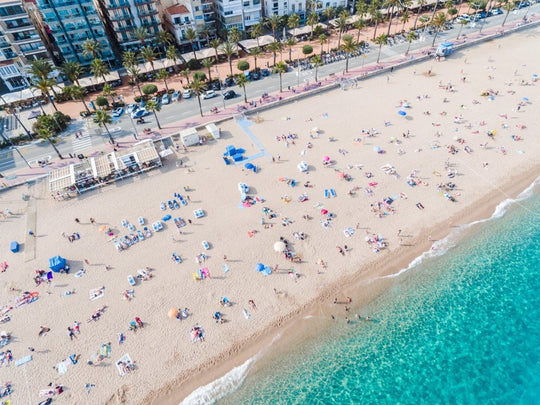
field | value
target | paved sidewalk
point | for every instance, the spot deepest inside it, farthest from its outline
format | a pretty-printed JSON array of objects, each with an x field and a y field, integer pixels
[{"x": 25, "y": 175}]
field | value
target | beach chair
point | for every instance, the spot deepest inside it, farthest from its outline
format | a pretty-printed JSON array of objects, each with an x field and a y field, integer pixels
[
  {"x": 141, "y": 221},
  {"x": 326, "y": 193},
  {"x": 162, "y": 206},
  {"x": 160, "y": 225},
  {"x": 177, "y": 258},
  {"x": 131, "y": 227},
  {"x": 183, "y": 201},
  {"x": 205, "y": 244},
  {"x": 131, "y": 280},
  {"x": 155, "y": 227},
  {"x": 140, "y": 235},
  {"x": 198, "y": 213},
  {"x": 170, "y": 204},
  {"x": 124, "y": 223},
  {"x": 332, "y": 192},
  {"x": 176, "y": 205},
  {"x": 225, "y": 268}
]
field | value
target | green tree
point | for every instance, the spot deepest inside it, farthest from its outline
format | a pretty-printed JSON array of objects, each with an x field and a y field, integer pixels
[
  {"x": 173, "y": 56},
  {"x": 359, "y": 25},
  {"x": 273, "y": 22},
  {"x": 103, "y": 118},
  {"x": 391, "y": 4},
  {"x": 207, "y": 63},
  {"x": 163, "y": 74},
  {"x": 438, "y": 23},
  {"x": 141, "y": 35},
  {"x": 149, "y": 56},
  {"x": 149, "y": 89},
  {"x": 312, "y": 19},
  {"x": 234, "y": 37},
  {"x": 99, "y": 69},
  {"x": 45, "y": 86},
  {"x": 164, "y": 39},
  {"x": 317, "y": 62},
  {"x": 307, "y": 50},
  {"x": 108, "y": 91},
  {"x": 216, "y": 43},
  {"x": 48, "y": 135},
  {"x": 40, "y": 68},
  {"x": 129, "y": 58},
  {"x": 153, "y": 106},
  {"x": 73, "y": 71},
  {"x": 101, "y": 101},
  {"x": 91, "y": 48},
  {"x": 228, "y": 50},
  {"x": 377, "y": 18},
  {"x": 507, "y": 6},
  {"x": 323, "y": 39},
  {"x": 243, "y": 65},
  {"x": 329, "y": 13},
  {"x": 133, "y": 71},
  {"x": 280, "y": 68},
  {"x": 198, "y": 87},
  {"x": 342, "y": 25},
  {"x": 191, "y": 36},
  {"x": 293, "y": 21},
  {"x": 255, "y": 53},
  {"x": 256, "y": 32},
  {"x": 421, "y": 4},
  {"x": 361, "y": 8},
  {"x": 199, "y": 76},
  {"x": 76, "y": 93},
  {"x": 274, "y": 47},
  {"x": 411, "y": 36},
  {"x": 185, "y": 73},
  {"x": 381, "y": 40},
  {"x": 348, "y": 47},
  {"x": 405, "y": 17},
  {"x": 290, "y": 43},
  {"x": 242, "y": 80}
]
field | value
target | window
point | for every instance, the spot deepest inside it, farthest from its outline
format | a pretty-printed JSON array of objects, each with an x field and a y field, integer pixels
[
  {"x": 293, "y": 8},
  {"x": 177, "y": 20},
  {"x": 186, "y": 20},
  {"x": 246, "y": 3}
]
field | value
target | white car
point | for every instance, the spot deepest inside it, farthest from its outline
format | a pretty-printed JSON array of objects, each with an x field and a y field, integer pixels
[
  {"x": 132, "y": 107},
  {"x": 187, "y": 93},
  {"x": 166, "y": 99},
  {"x": 117, "y": 112},
  {"x": 209, "y": 94},
  {"x": 243, "y": 188},
  {"x": 139, "y": 113}
]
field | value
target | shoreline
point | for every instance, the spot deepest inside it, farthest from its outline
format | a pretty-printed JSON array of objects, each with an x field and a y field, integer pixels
[{"x": 261, "y": 342}]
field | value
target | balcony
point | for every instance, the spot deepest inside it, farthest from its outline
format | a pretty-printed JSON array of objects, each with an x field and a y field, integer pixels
[
  {"x": 144, "y": 13},
  {"x": 122, "y": 17},
  {"x": 124, "y": 28},
  {"x": 144, "y": 1},
  {"x": 120, "y": 4}
]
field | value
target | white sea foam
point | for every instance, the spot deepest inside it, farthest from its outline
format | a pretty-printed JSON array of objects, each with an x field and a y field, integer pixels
[
  {"x": 442, "y": 246},
  {"x": 209, "y": 394}
]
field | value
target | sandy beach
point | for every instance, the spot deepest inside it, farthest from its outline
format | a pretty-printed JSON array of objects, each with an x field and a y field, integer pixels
[{"x": 463, "y": 143}]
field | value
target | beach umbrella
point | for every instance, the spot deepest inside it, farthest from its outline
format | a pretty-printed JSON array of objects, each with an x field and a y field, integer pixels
[
  {"x": 377, "y": 149},
  {"x": 259, "y": 267},
  {"x": 279, "y": 247},
  {"x": 102, "y": 228},
  {"x": 324, "y": 212},
  {"x": 525, "y": 99},
  {"x": 326, "y": 158},
  {"x": 173, "y": 313},
  {"x": 341, "y": 175},
  {"x": 401, "y": 112},
  {"x": 249, "y": 166}
]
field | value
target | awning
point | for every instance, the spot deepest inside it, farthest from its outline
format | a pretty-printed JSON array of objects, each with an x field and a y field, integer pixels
[
  {"x": 305, "y": 30},
  {"x": 204, "y": 53},
  {"x": 252, "y": 43}
]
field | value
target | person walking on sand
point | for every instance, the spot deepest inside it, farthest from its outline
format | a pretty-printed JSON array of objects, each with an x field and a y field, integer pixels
[{"x": 92, "y": 221}]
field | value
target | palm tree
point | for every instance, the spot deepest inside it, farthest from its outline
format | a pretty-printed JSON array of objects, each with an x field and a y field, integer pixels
[
  {"x": 462, "y": 23},
  {"x": 342, "y": 25},
  {"x": 405, "y": 17},
  {"x": 316, "y": 61},
  {"x": 391, "y": 4},
  {"x": 207, "y": 63},
  {"x": 91, "y": 48},
  {"x": 129, "y": 58},
  {"x": 40, "y": 68},
  {"x": 421, "y": 3},
  {"x": 44, "y": 85},
  {"x": 290, "y": 43},
  {"x": 198, "y": 87},
  {"x": 163, "y": 74},
  {"x": 361, "y": 8},
  {"x": 256, "y": 32},
  {"x": 507, "y": 6},
  {"x": 163, "y": 39},
  {"x": 191, "y": 36},
  {"x": 186, "y": 73},
  {"x": 141, "y": 35},
  {"x": 205, "y": 32},
  {"x": 438, "y": 23},
  {"x": 280, "y": 68},
  {"x": 435, "y": 10},
  {"x": 349, "y": 46},
  {"x": 329, "y": 13},
  {"x": 102, "y": 118},
  {"x": 73, "y": 71},
  {"x": 153, "y": 106},
  {"x": 76, "y": 93},
  {"x": 173, "y": 56},
  {"x": 255, "y": 52},
  {"x": 275, "y": 47},
  {"x": 242, "y": 80},
  {"x": 235, "y": 36},
  {"x": 273, "y": 22},
  {"x": 47, "y": 134},
  {"x": 293, "y": 21},
  {"x": 108, "y": 91},
  {"x": 149, "y": 56},
  {"x": 381, "y": 40},
  {"x": 312, "y": 19},
  {"x": 133, "y": 71},
  {"x": 228, "y": 50},
  {"x": 359, "y": 25},
  {"x": 99, "y": 68},
  {"x": 215, "y": 43},
  {"x": 323, "y": 39},
  {"x": 411, "y": 36}
]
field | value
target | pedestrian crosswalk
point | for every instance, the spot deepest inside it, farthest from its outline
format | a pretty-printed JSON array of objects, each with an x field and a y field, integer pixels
[{"x": 81, "y": 142}]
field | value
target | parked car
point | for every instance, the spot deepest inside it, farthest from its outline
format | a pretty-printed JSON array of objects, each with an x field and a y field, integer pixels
[
  {"x": 265, "y": 72},
  {"x": 139, "y": 113},
  {"x": 216, "y": 85},
  {"x": 229, "y": 94},
  {"x": 495, "y": 11},
  {"x": 166, "y": 99},
  {"x": 229, "y": 81},
  {"x": 176, "y": 96},
  {"x": 464, "y": 17},
  {"x": 187, "y": 93},
  {"x": 209, "y": 94},
  {"x": 255, "y": 75},
  {"x": 132, "y": 107},
  {"x": 117, "y": 112}
]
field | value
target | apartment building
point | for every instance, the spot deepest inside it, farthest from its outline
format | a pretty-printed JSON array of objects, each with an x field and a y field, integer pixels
[
  {"x": 177, "y": 20},
  {"x": 123, "y": 17},
  {"x": 284, "y": 7},
  {"x": 238, "y": 13},
  {"x": 70, "y": 23}
]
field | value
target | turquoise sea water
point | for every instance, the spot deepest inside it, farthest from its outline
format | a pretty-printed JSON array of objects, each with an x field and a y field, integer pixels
[{"x": 462, "y": 328}]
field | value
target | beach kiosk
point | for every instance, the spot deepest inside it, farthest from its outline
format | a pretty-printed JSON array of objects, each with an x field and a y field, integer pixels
[
  {"x": 444, "y": 49},
  {"x": 213, "y": 130},
  {"x": 189, "y": 136}
]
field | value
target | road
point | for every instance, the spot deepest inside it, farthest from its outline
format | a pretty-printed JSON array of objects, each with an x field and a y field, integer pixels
[{"x": 93, "y": 136}]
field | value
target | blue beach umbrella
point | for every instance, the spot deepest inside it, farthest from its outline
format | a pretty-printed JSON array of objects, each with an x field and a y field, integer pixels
[
  {"x": 259, "y": 267},
  {"x": 402, "y": 113},
  {"x": 525, "y": 99}
]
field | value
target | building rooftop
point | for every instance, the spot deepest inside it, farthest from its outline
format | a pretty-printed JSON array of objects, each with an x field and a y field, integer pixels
[{"x": 178, "y": 9}]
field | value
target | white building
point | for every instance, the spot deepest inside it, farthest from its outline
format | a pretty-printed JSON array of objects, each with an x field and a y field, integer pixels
[
  {"x": 238, "y": 13},
  {"x": 284, "y": 7}
]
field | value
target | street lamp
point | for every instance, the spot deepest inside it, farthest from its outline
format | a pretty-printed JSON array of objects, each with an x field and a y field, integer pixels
[
  {"x": 132, "y": 123},
  {"x": 220, "y": 87}
]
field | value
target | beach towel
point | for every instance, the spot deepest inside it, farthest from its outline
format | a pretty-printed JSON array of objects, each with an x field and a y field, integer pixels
[
  {"x": 80, "y": 273},
  {"x": 225, "y": 268},
  {"x": 96, "y": 293},
  {"x": 23, "y": 360},
  {"x": 46, "y": 392},
  {"x": 124, "y": 360},
  {"x": 62, "y": 367}
]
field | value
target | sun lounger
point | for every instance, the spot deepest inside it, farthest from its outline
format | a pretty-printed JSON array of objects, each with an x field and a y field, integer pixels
[
  {"x": 131, "y": 280},
  {"x": 140, "y": 235},
  {"x": 205, "y": 244},
  {"x": 225, "y": 268},
  {"x": 332, "y": 192},
  {"x": 326, "y": 194},
  {"x": 183, "y": 201},
  {"x": 162, "y": 206},
  {"x": 124, "y": 223},
  {"x": 175, "y": 204},
  {"x": 170, "y": 204},
  {"x": 117, "y": 246},
  {"x": 80, "y": 273},
  {"x": 96, "y": 293},
  {"x": 198, "y": 213},
  {"x": 131, "y": 227},
  {"x": 141, "y": 221},
  {"x": 147, "y": 231},
  {"x": 160, "y": 225},
  {"x": 177, "y": 258}
]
